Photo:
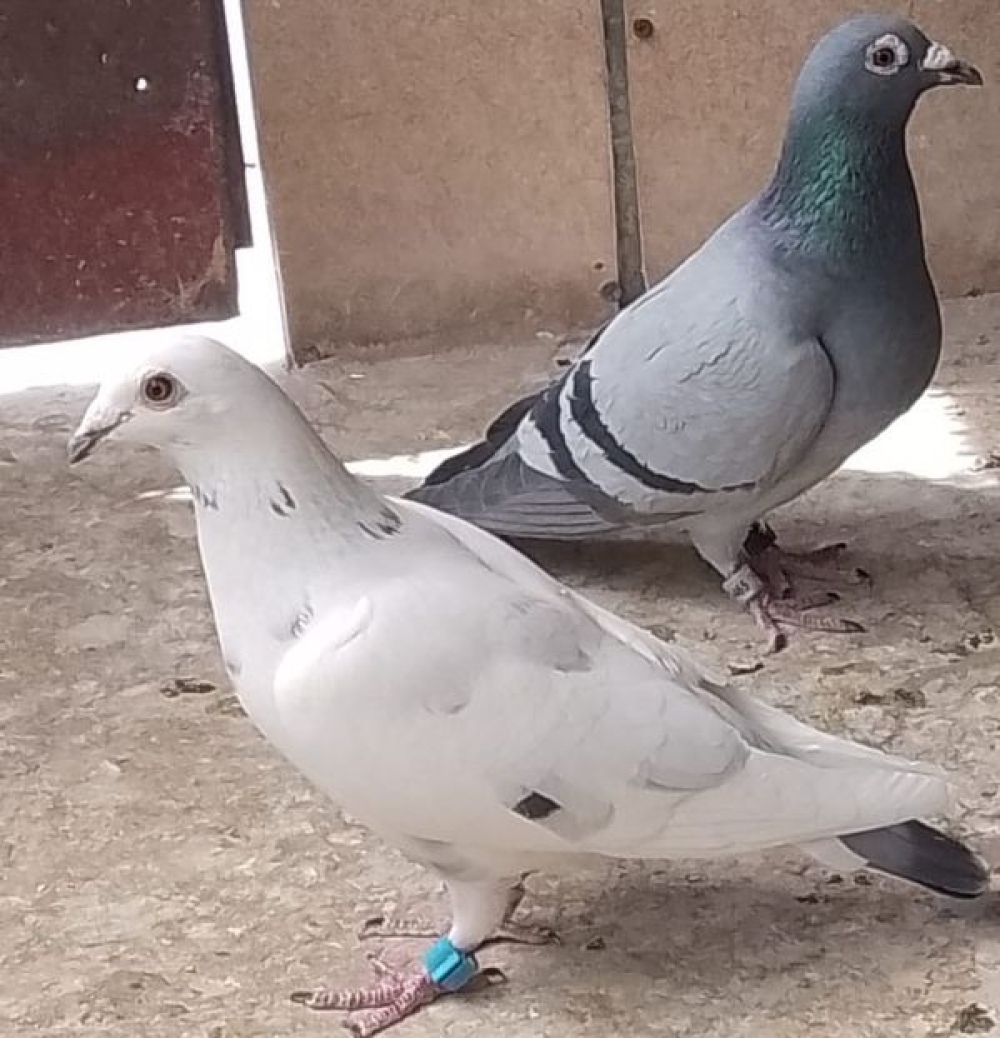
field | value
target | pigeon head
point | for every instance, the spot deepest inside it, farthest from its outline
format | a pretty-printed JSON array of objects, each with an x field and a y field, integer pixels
[
  {"x": 875, "y": 67},
  {"x": 843, "y": 183},
  {"x": 170, "y": 395}
]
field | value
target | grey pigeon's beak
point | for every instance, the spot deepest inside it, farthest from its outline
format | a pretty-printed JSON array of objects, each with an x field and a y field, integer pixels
[
  {"x": 948, "y": 69},
  {"x": 89, "y": 433}
]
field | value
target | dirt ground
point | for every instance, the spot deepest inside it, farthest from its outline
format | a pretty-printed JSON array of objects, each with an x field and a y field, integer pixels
[{"x": 163, "y": 874}]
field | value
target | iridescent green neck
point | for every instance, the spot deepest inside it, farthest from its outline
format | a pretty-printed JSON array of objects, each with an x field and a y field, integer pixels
[{"x": 842, "y": 187}]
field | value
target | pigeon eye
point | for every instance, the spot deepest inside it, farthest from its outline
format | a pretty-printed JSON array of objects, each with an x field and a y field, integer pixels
[
  {"x": 886, "y": 55},
  {"x": 159, "y": 390}
]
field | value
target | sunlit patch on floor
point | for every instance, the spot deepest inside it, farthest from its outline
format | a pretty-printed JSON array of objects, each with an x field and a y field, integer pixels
[
  {"x": 929, "y": 441},
  {"x": 180, "y": 493},
  {"x": 401, "y": 466}
]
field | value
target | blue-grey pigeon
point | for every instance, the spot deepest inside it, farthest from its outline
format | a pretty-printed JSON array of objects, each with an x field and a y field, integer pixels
[{"x": 802, "y": 328}]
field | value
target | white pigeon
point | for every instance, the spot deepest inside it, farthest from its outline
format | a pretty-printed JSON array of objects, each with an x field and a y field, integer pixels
[{"x": 470, "y": 709}]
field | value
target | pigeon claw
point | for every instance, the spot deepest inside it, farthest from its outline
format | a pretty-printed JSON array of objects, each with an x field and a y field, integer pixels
[
  {"x": 775, "y": 615},
  {"x": 796, "y": 614},
  {"x": 377, "y": 1007},
  {"x": 523, "y": 933},
  {"x": 766, "y": 584},
  {"x": 777, "y": 639},
  {"x": 389, "y": 928}
]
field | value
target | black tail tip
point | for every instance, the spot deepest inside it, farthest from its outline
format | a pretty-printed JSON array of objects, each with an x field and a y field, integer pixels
[{"x": 923, "y": 855}]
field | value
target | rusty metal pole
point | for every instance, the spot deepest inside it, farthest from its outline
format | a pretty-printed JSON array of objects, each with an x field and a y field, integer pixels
[{"x": 628, "y": 225}]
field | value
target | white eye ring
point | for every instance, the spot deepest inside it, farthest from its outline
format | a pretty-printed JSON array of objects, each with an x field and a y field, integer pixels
[
  {"x": 878, "y": 52},
  {"x": 160, "y": 390}
]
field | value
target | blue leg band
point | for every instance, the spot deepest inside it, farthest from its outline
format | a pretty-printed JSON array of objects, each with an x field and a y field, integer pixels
[{"x": 448, "y": 967}]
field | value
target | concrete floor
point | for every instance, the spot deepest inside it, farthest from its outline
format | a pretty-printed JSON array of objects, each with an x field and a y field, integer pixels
[{"x": 163, "y": 873}]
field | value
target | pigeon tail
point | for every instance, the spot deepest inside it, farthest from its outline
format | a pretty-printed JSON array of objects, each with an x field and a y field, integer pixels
[
  {"x": 479, "y": 453},
  {"x": 920, "y": 854},
  {"x": 509, "y": 498},
  {"x": 499, "y": 433}
]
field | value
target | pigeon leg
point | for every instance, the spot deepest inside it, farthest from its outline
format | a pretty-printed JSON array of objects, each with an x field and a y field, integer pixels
[
  {"x": 478, "y": 909},
  {"x": 779, "y": 586},
  {"x": 779, "y": 567},
  {"x": 775, "y": 616},
  {"x": 509, "y": 932}
]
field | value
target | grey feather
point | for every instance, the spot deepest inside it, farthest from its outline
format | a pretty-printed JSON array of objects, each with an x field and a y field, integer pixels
[
  {"x": 509, "y": 498},
  {"x": 914, "y": 851}
]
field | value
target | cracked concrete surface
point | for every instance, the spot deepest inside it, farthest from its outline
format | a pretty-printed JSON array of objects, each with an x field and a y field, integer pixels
[{"x": 164, "y": 873}]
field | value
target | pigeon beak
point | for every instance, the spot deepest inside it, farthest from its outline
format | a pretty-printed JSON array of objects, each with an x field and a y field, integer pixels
[
  {"x": 949, "y": 70},
  {"x": 95, "y": 427}
]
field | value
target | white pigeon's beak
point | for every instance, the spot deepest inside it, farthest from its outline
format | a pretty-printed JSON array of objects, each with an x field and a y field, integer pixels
[
  {"x": 948, "y": 69},
  {"x": 98, "y": 423}
]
